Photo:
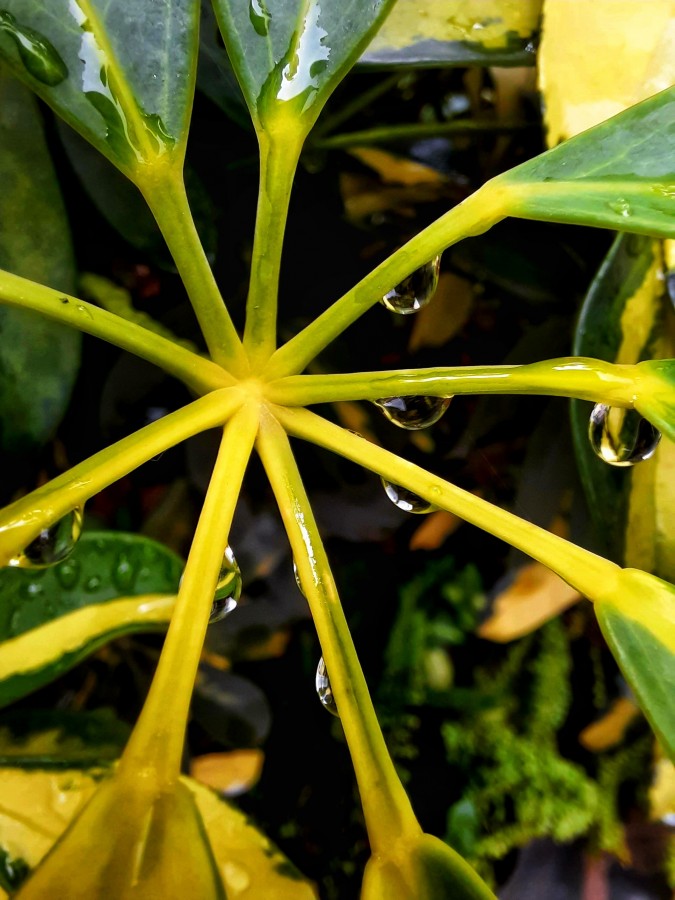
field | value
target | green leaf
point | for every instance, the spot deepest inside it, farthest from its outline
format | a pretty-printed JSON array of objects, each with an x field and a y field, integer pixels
[
  {"x": 639, "y": 625},
  {"x": 39, "y": 360},
  {"x": 624, "y": 320},
  {"x": 457, "y": 33},
  {"x": 122, "y": 74},
  {"x": 38, "y": 806},
  {"x": 620, "y": 174},
  {"x": 51, "y": 619},
  {"x": 56, "y": 739},
  {"x": 289, "y": 55}
]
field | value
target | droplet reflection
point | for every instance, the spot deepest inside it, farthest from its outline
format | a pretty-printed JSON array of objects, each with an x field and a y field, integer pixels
[
  {"x": 413, "y": 413},
  {"x": 228, "y": 588},
  {"x": 53, "y": 544},
  {"x": 324, "y": 689},
  {"x": 415, "y": 291},
  {"x": 405, "y": 499},
  {"x": 621, "y": 437}
]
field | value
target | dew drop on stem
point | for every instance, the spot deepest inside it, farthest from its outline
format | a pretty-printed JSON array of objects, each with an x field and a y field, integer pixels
[
  {"x": 405, "y": 499},
  {"x": 621, "y": 437},
  {"x": 297, "y": 578},
  {"x": 53, "y": 544},
  {"x": 413, "y": 413},
  {"x": 415, "y": 291},
  {"x": 228, "y": 588},
  {"x": 324, "y": 689}
]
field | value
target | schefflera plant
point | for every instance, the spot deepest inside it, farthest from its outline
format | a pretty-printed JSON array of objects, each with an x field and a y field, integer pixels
[{"x": 123, "y": 75}]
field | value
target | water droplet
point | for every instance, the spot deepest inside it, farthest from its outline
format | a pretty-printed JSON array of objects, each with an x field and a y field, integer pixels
[
  {"x": 297, "y": 578},
  {"x": 405, "y": 499},
  {"x": 621, "y": 437},
  {"x": 124, "y": 573},
  {"x": 52, "y": 544},
  {"x": 68, "y": 574},
  {"x": 259, "y": 16},
  {"x": 38, "y": 55},
  {"x": 92, "y": 584},
  {"x": 228, "y": 588},
  {"x": 621, "y": 207},
  {"x": 413, "y": 413},
  {"x": 324, "y": 690},
  {"x": 415, "y": 291}
]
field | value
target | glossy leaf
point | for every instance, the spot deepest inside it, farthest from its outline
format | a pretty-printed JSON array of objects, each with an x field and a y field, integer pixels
[
  {"x": 457, "y": 33},
  {"x": 120, "y": 73},
  {"x": 624, "y": 320},
  {"x": 290, "y": 55},
  {"x": 638, "y": 623},
  {"x": 51, "y": 619},
  {"x": 39, "y": 805},
  {"x": 39, "y": 360},
  {"x": 619, "y": 174}
]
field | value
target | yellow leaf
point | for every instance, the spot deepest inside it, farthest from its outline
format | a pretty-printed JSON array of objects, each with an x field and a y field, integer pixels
[
  {"x": 441, "y": 320},
  {"x": 662, "y": 792},
  {"x": 231, "y": 773},
  {"x": 610, "y": 729},
  {"x": 435, "y": 528},
  {"x": 396, "y": 169},
  {"x": 535, "y": 595},
  {"x": 598, "y": 58}
]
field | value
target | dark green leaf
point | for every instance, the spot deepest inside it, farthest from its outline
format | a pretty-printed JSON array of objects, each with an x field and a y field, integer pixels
[
  {"x": 39, "y": 359},
  {"x": 121, "y": 73},
  {"x": 51, "y": 619},
  {"x": 620, "y": 174},
  {"x": 289, "y": 55},
  {"x": 214, "y": 75}
]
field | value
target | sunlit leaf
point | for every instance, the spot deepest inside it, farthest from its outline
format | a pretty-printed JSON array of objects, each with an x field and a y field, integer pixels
[
  {"x": 121, "y": 73},
  {"x": 39, "y": 359},
  {"x": 50, "y": 619},
  {"x": 584, "y": 80},
  {"x": 290, "y": 55},
  {"x": 38, "y": 806},
  {"x": 457, "y": 33},
  {"x": 619, "y": 174},
  {"x": 230, "y": 773},
  {"x": 609, "y": 730},
  {"x": 626, "y": 318}
]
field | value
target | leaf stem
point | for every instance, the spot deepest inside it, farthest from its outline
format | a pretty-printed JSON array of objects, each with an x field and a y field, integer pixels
[
  {"x": 416, "y": 131},
  {"x": 585, "y": 571},
  {"x": 156, "y": 744},
  {"x": 23, "y": 520},
  {"x": 585, "y": 379},
  {"x": 474, "y": 216},
  {"x": 199, "y": 374},
  {"x": 387, "y": 809},
  {"x": 279, "y": 156},
  {"x": 164, "y": 190}
]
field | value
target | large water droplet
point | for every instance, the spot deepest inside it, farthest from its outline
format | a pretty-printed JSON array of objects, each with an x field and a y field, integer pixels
[
  {"x": 621, "y": 437},
  {"x": 38, "y": 55},
  {"x": 621, "y": 207},
  {"x": 297, "y": 579},
  {"x": 228, "y": 588},
  {"x": 259, "y": 16},
  {"x": 324, "y": 689},
  {"x": 52, "y": 544},
  {"x": 405, "y": 499},
  {"x": 413, "y": 413},
  {"x": 415, "y": 291}
]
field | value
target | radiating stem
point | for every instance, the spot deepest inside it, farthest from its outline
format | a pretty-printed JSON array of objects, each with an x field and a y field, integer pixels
[
  {"x": 278, "y": 162},
  {"x": 387, "y": 809},
  {"x": 199, "y": 374},
  {"x": 164, "y": 192},
  {"x": 585, "y": 571},
  {"x": 474, "y": 216},
  {"x": 585, "y": 379},
  {"x": 416, "y": 131},
  {"x": 22, "y": 521},
  {"x": 157, "y": 740}
]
